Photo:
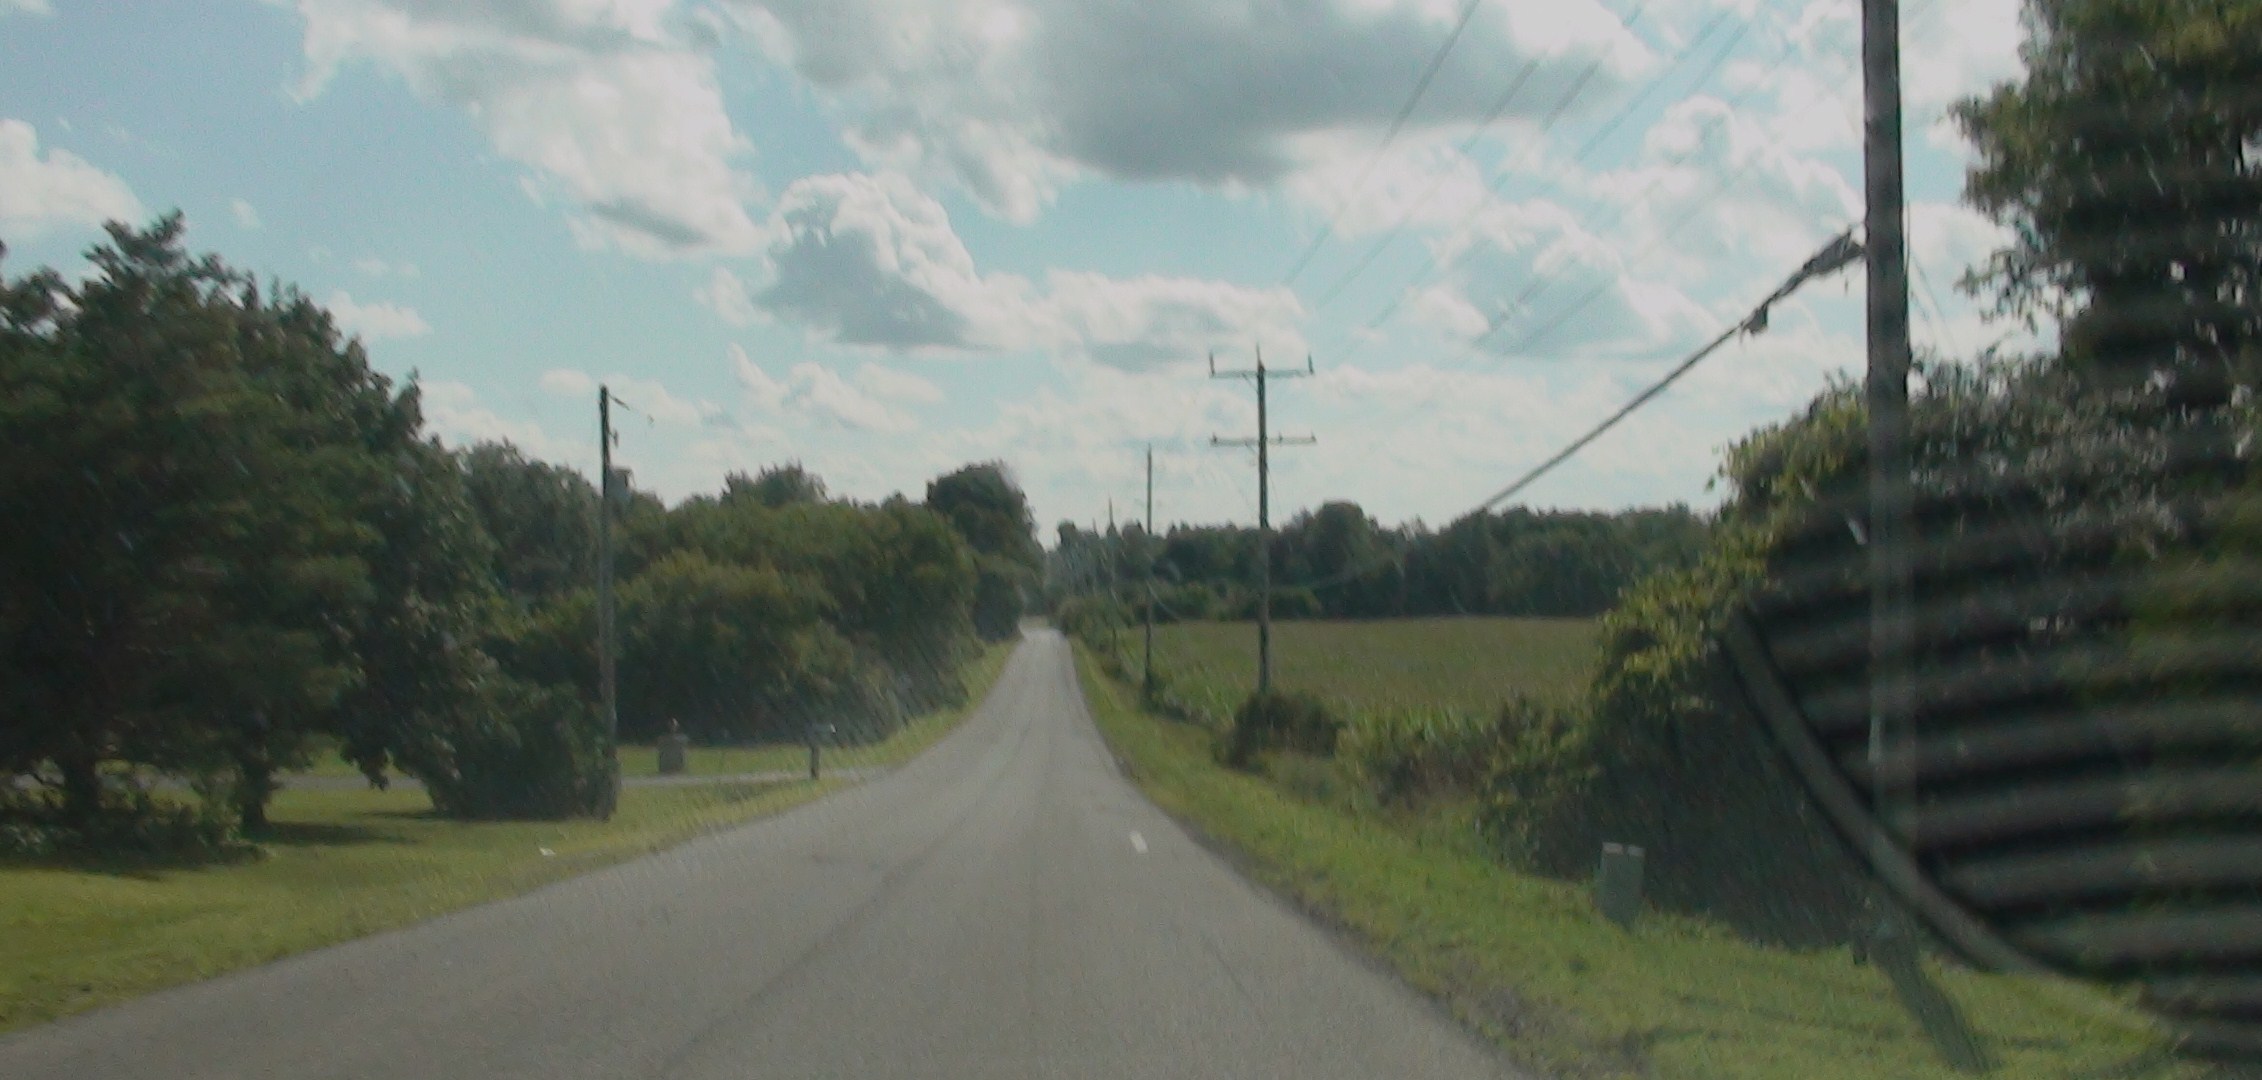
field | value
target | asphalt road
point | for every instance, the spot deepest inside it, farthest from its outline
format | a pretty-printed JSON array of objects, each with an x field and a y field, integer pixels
[{"x": 1005, "y": 906}]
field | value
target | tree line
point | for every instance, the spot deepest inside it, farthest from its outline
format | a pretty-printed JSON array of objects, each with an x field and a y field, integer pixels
[
  {"x": 1337, "y": 562},
  {"x": 233, "y": 542}
]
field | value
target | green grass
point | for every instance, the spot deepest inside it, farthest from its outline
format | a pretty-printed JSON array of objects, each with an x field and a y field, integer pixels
[
  {"x": 342, "y": 864},
  {"x": 1525, "y": 959},
  {"x": 1470, "y": 663}
]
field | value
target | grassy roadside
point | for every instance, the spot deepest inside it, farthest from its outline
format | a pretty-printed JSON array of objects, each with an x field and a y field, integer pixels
[
  {"x": 1525, "y": 960},
  {"x": 343, "y": 864}
]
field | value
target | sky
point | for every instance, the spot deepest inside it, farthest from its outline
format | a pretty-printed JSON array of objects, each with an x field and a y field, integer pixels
[{"x": 884, "y": 238}]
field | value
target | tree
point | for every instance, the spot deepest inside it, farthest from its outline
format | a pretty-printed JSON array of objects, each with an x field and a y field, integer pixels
[
  {"x": 2124, "y": 165},
  {"x": 985, "y": 506},
  {"x": 778, "y": 485},
  {"x": 542, "y": 517},
  {"x": 730, "y": 650},
  {"x": 186, "y": 549}
]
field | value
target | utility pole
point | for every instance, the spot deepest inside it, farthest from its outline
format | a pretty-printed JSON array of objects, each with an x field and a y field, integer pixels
[
  {"x": 1891, "y": 580},
  {"x": 1114, "y": 580},
  {"x": 607, "y": 683},
  {"x": 1147, "y": 657},
  {"x": 1264, "y": 442}
]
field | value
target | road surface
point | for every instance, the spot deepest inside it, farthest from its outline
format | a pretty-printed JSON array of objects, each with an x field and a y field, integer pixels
[{"x": 1005, "y": 906}]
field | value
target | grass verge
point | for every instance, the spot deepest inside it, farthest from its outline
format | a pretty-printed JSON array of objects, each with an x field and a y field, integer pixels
[
  {"x": 1525, "y": 960},
  {"x": 341, "y": 864}
]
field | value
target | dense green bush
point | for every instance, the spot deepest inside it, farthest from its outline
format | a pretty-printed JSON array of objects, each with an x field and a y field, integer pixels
[
  {"x": 128, "y": 821},
  {"x": 520, "y": 752},
  {"x": 1666, "y": 754},
  {"x": 997, "y": 598},
  {"x": 1279, "y": 720},
  {"x": 1091, "y": 619},
  {"x": 1423, "y": 753}
]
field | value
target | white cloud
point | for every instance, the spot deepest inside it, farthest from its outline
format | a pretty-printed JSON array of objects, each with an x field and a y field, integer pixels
[
  {"x": 612, "y": 103},
  {"x": 39, "y": 192},
  {"x": 822, "y": 393},
  {"x": 1421, "y": 185},
  {"x": 452, "y": 410},
  {"x": 25, "y": 7},
  {"x": 765, "y": 392},
  {"x": 1012, "y": 98},
  {"x": 1153, "y": 321},
  {"x": 246, "y": 216},
  {"x": 726, "y": 296},
  {"x": 1947, "y": 239},
  {"x": 1514, "y": 249},
  {"x": 886, "y": 382},
  {"x": 372, "y": 266},
  {"x": 1953, "y": 50},
  {"x": 650, "y": 398},
  {"x": 377, "y": 320},
  {"x": 871, "y": 261},
  {"x": 813, "y": 391},
  {"x": 634, "y": 397},
  {"x": 566, "y": 382},
  {"x": 1720, "y": 185}
]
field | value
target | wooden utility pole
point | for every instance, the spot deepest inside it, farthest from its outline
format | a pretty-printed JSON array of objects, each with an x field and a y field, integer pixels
[
  {"x": 1147, "y": 564},
  {"x": 1264, "y": 442},
  {"x": 608, "y": 685},
  {"x": 1114, "y": 580},
  {"x": 1891, "y": 583}
]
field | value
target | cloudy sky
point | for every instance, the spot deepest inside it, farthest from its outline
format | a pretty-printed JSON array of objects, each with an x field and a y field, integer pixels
[{"x": 884, "y": 237}]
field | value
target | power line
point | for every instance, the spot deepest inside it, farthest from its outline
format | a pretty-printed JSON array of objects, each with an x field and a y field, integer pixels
[
  {"x": 1421, "y": 86},
  {"x": 1554, "y": 115},
  {"x": 1841, "y": 251},
  {"x": 1397, "y": 301},
  {"x": 1719, "y": 190},
  {"x": 1593, "y": 142}
]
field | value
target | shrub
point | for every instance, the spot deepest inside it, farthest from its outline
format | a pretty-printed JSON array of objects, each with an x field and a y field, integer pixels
[
  {"x": 520, "y": 752},
  {"x": 1280, "y": 720},
  {"x": 129, "y": 821},
  {"x": 1409, "y": 754},
  {"x": 997, "y": 599},
  {"x": 1092, "y": 619}
]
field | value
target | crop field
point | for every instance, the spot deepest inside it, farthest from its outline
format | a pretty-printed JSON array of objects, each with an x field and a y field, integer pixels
[{"x": 1466, "y": 663}]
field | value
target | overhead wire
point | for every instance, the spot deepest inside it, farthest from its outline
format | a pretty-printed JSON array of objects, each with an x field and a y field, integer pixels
[
  {"x": 1719, "y": 190},
  {"x": 1460, "y": 360},
  {"x": 1357, "y": 339},
  {"x": 1547, "y": 124},
  {"x": 1841, "y": 251},
  {"x": 1593, "y": 142},
  {"x": 1398, "y": 122}
]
